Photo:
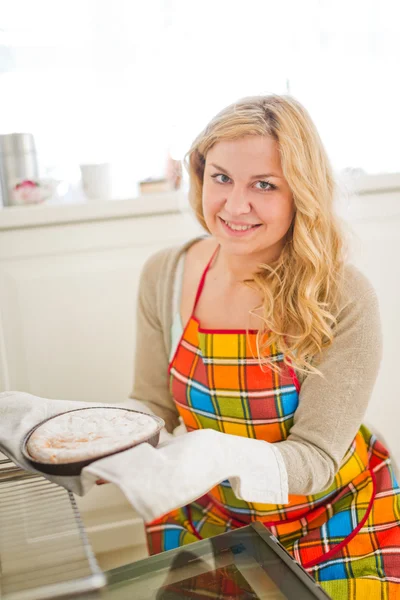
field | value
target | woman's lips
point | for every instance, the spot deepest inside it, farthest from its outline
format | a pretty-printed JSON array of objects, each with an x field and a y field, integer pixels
[{"x": 236, "y": 230}]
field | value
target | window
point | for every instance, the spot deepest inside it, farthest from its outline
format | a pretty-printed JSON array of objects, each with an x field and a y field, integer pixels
[{"x": 128, "y": 81}]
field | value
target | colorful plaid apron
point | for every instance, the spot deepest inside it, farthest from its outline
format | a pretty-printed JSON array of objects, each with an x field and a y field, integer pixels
[{"x": 348, "y": 536}]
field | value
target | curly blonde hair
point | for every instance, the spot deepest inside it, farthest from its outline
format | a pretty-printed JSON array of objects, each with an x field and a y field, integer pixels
[{"x": 301, "y": 289}]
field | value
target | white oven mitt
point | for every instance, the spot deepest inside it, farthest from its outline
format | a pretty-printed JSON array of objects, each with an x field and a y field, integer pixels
[{"x": 157, "y": 480}]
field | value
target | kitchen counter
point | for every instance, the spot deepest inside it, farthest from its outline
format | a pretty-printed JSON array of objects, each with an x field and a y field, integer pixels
[{"x": 42, "y": 215}]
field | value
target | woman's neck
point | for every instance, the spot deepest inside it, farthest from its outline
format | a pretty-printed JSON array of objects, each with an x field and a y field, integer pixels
[{"x": 232, "y": 269}]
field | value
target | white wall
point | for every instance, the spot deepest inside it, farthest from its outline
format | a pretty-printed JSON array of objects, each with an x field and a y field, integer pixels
[{"x": 375, "y": 220}]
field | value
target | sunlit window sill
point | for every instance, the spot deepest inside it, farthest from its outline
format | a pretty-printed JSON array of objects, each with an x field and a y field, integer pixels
[{"x": 42, "y": 215}]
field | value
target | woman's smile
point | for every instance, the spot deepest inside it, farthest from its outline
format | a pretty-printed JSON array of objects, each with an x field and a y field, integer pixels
[{"x": 237, "y": 228}]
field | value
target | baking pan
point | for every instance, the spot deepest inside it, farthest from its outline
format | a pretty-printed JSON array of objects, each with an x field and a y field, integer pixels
[{"x": 75, "y": 468}]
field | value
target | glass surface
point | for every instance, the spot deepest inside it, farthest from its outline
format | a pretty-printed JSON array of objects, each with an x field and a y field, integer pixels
[{"x": 240, "y": 565}]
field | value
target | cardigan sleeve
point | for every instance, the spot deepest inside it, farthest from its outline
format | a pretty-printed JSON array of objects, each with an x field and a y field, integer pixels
[
  {"x": 331, "y": 408},
  {"x": 151, "y": 385}
]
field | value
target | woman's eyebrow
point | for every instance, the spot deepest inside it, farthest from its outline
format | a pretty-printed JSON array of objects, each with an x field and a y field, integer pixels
[{"x": 252, "y": 177}]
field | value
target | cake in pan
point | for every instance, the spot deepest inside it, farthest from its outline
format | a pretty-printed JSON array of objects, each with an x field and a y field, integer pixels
[{"x": 84, "y": 434}]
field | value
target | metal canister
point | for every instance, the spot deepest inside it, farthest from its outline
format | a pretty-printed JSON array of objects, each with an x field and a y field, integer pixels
[{"x": 18, "y": 163}]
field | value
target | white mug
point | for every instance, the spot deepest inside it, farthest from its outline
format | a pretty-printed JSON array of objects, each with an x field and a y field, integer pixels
[{"x": 97, "y": 181}]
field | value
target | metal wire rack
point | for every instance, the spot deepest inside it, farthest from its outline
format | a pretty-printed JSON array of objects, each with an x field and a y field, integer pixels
[{"x": 44, "y": 551}]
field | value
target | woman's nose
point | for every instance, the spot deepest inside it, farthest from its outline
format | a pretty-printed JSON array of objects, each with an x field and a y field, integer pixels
[{"x": 236, "y": 203}]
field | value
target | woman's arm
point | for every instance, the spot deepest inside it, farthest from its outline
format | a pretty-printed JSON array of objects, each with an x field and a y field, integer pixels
[
  {"x": 331, "y": 409},
  {"x": 151, "y": 386}
]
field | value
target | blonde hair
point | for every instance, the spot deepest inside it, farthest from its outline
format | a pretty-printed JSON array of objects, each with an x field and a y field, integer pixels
[{"x": 301, "y": 288}]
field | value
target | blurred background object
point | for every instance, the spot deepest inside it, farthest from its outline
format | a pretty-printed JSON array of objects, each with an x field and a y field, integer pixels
[
  {"x": 96, "y": 181},
  {"x": 19, "y": 171},
  {"x": 174, "y": 172},
  {"x": 155, "y": 186}
]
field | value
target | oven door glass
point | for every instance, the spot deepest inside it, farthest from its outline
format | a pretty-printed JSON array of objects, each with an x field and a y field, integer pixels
[{"x": 244, "y": 564}]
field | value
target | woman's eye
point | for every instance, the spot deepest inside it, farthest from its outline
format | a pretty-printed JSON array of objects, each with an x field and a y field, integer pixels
[
  {"x": 220, "y": 175},
  {"x": 266, "y": 185}
]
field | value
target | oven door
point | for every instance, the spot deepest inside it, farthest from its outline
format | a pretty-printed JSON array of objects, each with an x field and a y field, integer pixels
[{"x": 245, "y": 564}]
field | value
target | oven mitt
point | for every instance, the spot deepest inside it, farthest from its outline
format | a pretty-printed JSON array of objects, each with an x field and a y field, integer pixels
[
  {"x": 184, "y": 468},
  {"x": 157, "y": 480}
]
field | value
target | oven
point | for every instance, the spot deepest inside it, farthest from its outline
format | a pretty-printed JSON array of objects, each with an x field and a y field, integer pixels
[{"x": 45, "y": 554}]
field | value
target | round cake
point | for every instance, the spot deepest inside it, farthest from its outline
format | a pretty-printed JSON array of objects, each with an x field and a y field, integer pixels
[{"x": 87, "y": 433}]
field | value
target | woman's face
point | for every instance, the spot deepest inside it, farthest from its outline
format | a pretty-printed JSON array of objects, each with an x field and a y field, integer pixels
[{"x": 247, "y": 203}]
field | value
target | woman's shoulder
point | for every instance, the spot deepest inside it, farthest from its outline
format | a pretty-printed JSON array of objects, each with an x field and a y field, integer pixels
[
  {"x": 357, "y": 320},
  {"x": 199, "y": 254},
  {"x": 164, "y": 260},
  {"x": 357, "y": 287},
  {"x": 157, "y": 280},
  {"x": 197, "y": 251}
]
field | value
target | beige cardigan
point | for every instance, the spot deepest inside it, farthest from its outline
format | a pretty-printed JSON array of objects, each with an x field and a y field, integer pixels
[{"x": 330, "y": 409}]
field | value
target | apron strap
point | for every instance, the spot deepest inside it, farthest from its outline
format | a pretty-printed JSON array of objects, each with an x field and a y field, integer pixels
[{"x": 203, "y": 278}]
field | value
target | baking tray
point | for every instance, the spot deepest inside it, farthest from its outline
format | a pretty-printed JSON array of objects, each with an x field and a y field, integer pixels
[{"x": 75, "y": 468}]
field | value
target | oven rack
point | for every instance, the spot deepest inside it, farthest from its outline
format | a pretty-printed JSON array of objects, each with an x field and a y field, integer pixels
[{"x": 44, "y": 550}]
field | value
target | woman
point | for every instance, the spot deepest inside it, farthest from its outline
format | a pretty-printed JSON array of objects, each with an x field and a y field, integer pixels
[{"x": 261, "y": 329}]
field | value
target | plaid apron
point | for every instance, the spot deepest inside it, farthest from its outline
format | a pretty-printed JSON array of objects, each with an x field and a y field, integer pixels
[{"x": 348, "y": 536}]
